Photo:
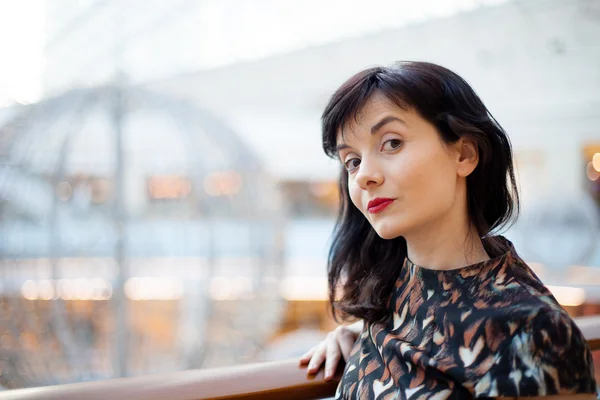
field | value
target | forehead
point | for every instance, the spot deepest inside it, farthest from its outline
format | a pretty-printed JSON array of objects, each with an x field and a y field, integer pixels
[{"x": 374, "y": 110}]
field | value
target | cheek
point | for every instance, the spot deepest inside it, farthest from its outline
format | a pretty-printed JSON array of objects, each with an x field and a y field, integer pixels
[
  {"x": 435, "y": 186},
  {"x": 427, "y": 182},
  {"x": 355, "y": 194}
]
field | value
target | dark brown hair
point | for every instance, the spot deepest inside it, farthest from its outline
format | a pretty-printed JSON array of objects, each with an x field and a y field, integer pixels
[{"x": 363, "y": 267}]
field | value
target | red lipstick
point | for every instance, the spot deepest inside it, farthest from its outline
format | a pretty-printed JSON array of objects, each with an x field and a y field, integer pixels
[{"x": 379, "y": 204}]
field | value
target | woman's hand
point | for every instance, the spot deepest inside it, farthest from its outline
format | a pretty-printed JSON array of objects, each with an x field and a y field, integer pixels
[{"x": 338, "y": 342}]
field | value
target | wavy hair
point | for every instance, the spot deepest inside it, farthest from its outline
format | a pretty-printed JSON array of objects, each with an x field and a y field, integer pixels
[{"x": 363, "y": 267}]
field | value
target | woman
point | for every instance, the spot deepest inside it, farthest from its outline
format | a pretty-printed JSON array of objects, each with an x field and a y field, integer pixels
[{"x": 446, "y": 309}]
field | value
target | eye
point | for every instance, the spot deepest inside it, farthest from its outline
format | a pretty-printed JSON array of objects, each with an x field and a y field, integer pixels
[
  {"x": 392, "y": 144},
  {"x": 352, "y": 164}
]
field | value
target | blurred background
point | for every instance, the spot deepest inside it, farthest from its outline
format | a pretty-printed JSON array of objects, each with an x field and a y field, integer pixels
[{"x": 164, "y": 200}]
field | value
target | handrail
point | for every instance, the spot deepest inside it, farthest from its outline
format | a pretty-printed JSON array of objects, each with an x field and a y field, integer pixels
[
  {"x": 590, "y": 327},
  {"x": 267, "y": 381}
]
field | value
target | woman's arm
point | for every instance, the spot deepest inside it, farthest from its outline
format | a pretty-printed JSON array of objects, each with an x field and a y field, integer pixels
[
  {"x": 338, "y": 342},
  {"x": 555, "y": 397},
  {"x": 549, "y": 342}
]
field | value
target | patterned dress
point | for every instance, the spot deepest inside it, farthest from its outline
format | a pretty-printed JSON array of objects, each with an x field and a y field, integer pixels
[{"x": 485, "y": 330}]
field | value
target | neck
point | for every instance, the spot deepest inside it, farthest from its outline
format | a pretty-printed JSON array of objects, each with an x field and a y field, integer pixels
[{"x": 449, "y": 243}]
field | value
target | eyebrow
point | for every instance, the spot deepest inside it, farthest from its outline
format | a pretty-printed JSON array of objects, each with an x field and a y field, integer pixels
[
  {"x": 383, "y": 122},
  {"x": 374, "y": 129}
]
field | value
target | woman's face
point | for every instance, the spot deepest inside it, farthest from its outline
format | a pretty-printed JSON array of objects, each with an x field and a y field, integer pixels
[{"x": 401, "y": 175}]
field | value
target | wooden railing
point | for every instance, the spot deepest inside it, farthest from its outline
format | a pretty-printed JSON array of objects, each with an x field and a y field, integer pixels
[
  {"x": 590, "y": 326},
  {"x": 267, "y": 381}
]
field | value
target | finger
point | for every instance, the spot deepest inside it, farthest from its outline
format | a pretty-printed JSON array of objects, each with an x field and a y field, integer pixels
[
  {"x": 317, "y": 359},
  {"x": 307, "y": 356},
  {"x": 346, "y": 344},
  {"x": 333, "y": 358}
]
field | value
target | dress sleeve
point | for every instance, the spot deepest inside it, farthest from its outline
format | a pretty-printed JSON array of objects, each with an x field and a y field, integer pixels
[{"x": 548, "y": 356}]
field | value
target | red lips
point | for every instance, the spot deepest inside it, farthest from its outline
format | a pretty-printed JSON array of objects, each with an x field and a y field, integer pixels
[{"x": 378, "y": 204}]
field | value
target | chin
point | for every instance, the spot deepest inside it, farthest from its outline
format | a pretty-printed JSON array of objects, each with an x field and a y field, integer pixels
[
  {"x": 390, "y": 226},
  {"x": 388, "y": 232}
]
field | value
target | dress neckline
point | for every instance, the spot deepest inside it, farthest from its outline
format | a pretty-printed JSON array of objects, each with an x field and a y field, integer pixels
[{"x": 468, "y": 270}]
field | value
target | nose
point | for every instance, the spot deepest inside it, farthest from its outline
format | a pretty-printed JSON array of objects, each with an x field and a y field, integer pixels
[{"x": 369, "y": 174}]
